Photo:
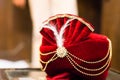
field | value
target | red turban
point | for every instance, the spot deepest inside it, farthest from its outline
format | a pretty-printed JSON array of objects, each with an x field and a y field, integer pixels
[{"x": 71, "y": 51}]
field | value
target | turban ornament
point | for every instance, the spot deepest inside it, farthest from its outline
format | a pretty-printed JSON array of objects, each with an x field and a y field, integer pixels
[{"x": 64, "y": 37}]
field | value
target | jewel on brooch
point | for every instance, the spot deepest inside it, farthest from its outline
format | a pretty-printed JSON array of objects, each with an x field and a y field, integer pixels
[{"x": 61, "y": 52}]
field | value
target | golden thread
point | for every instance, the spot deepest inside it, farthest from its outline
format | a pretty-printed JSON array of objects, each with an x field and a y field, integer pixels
[
  {"x": 91, "y": 62},
  {"x": 47, "y": 53},
  {"x": 88, "y": 74},
  {"x": 47, "y": 62},
  {"x": 97, "y": 69}
]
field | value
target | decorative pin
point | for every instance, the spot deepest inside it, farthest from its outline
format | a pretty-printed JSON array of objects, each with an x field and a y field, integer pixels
[{"x": 61, "y": 52}]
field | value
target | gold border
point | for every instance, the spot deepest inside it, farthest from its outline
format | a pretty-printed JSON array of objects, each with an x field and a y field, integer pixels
[{"x": 70, "y": 16}]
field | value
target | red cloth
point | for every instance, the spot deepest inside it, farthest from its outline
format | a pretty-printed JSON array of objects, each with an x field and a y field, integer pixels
[
  {"x": 69, "y": 76},
  {"x": 79, "y": 41},
  {"x": 62, "y": 76}
]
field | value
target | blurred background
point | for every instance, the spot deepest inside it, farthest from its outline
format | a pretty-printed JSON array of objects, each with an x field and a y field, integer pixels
[{"x": 20, "y": 22}]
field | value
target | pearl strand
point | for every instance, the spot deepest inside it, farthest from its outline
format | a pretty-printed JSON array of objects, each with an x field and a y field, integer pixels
[
  {"x": 90, "y": 62},
  {"x": 89, "y": 74},
  {"x": 87, "y": 68},
  {"x": 47, "y": 62},
  {"x": 47, "y": 53}
]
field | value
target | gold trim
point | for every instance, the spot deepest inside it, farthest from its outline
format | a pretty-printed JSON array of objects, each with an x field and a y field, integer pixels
[{"x": 70, "y": 16}]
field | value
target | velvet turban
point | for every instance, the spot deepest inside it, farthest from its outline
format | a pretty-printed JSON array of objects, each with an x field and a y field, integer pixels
[{"x": 70, "y": 50}]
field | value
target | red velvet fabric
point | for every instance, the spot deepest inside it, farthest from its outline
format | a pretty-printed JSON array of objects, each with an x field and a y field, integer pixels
[
  {"x": 80, "y": 41},
  {"x": 62, "y": 76}
]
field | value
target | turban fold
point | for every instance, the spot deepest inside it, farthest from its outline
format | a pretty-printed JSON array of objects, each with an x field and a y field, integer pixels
[{"x": 70, "y": 48}]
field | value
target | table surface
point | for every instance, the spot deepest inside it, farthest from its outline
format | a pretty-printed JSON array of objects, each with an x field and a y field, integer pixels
[
  {"x": 37, "y": 74},
  {"x": 22, "y": 74}
]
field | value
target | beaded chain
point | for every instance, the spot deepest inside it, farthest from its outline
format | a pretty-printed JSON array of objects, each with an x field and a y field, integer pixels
[{"x": 64, "y": 53}]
